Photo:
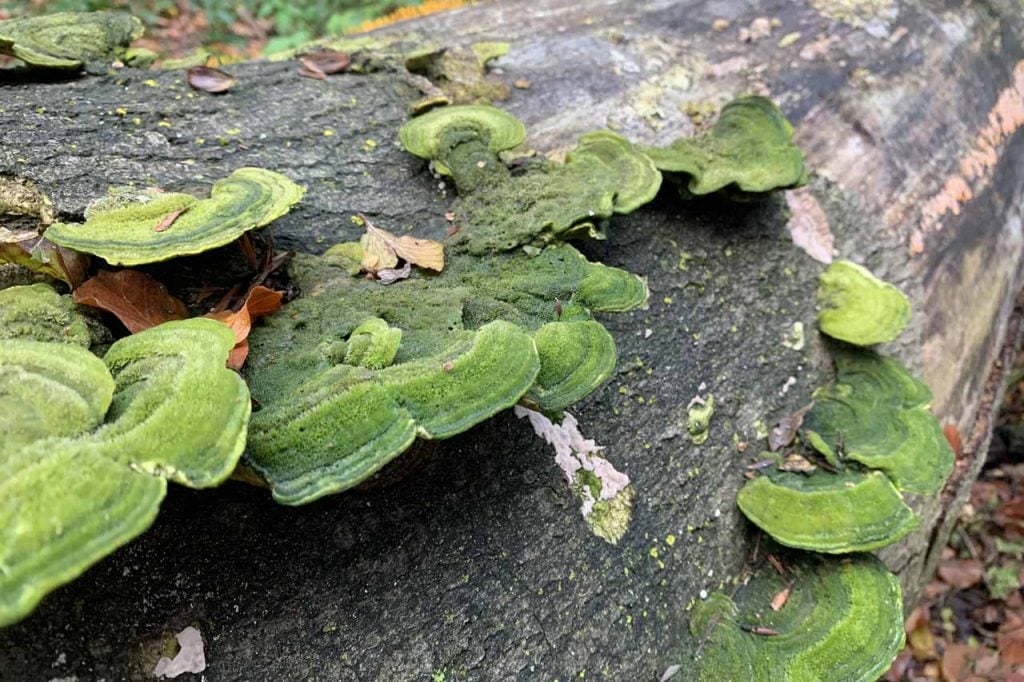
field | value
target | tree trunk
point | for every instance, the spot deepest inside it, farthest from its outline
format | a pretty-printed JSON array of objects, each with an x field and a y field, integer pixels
[{"x": 479, "y": 563}]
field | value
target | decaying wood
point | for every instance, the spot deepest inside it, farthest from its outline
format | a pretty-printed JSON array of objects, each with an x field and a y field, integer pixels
[{"x": 478, "y": 563}]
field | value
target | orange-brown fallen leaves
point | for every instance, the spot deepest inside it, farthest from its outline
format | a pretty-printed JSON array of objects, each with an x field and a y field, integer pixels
[
  {"x": 135, "y": 298},
  {"x": 382, "y": 249},
  {"x": 260, "y": 302}
]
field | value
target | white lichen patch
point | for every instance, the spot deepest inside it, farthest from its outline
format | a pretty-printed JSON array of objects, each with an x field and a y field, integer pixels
[
  {"x": 190, "y": 658},
  {"x": 794, "y": 337},
  {"x": 606, "y": 497}
]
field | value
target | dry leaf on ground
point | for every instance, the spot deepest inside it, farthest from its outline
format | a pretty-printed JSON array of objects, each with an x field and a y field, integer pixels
[
  {"x": 135, "y": 298},
  {"x": 961, "y": 573},
  {"x": 261, "y": 301}
]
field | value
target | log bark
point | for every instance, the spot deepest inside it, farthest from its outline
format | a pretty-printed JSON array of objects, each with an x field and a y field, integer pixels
[{"x": 478, "y": 564}]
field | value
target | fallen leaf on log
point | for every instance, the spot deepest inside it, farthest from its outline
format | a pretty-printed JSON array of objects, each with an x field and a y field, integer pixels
[{"x": 135, "y": 298}]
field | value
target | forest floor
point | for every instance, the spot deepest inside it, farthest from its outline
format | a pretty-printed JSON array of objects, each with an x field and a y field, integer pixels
[{"x": 969, "y": 625}]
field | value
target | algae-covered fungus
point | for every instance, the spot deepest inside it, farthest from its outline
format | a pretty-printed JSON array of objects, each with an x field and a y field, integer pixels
[
  {"x": 460, "y": 346},
  {"x": 87, "y": 445},
  {"x": 842, "y": 620},
  {"x": 874, "y": 417},
  {"x": 603, "y": 176},
  {"x": 69, "y": 40},
  {"x": 750, "y": 150},
  {"x": 826, "y": 512},
  {"x": 151, "y": 226},
  {"x": 39, "y": 313},
  {"x": 859, "y": 308},
  {"x": 876, "y": 414}
]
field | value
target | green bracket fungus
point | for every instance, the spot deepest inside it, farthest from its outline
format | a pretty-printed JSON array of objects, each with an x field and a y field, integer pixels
[
  {"x": 843, "y": 620},
  {"x": 475, "y": 339},
  {"x": 859, "y": 308},
  {"x": 879, "y": 414},
  {"x": 154, "y": 226},
  {"x": 88, "y": 445},
  {"x": 750, "y": 150},
  {"x": 825, "y": 512},
  {"x": 874, "y": 417},
  {"x": 37, "y": 312},
  {"x": 69, "y": 40},
  {"x": 603, "y": 176},
  {"x": 373, "y": 344}
]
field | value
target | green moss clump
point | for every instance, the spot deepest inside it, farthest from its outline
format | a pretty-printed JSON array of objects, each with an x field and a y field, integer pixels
[
  {"x": 136, "y": 231},
  {"x": 69, "y": 40},
  {"x": 859, "y": 308},
  {"x": 843, "y": 620},
  {"x": 39, "y": 313},
  {"x": 750, "y": 151},
  {"x": 87, "y": 445}
]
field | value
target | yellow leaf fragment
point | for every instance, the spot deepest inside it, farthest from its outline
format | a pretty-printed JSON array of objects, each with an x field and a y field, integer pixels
[{"x": 382, "y": 249}]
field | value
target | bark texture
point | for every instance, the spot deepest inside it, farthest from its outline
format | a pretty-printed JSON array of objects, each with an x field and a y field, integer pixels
[{"x": 478, "y": 564}]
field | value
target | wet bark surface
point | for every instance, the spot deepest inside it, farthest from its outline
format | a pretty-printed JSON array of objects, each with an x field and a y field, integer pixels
[{"x": 477, "y": 562}]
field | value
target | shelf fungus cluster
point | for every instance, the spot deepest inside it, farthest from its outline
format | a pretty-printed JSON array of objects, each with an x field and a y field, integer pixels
[
  {"x": 87, "y": 445},
  {"x": 69, "y": 40},
  {"x": 355, "y": 370},
  {"x": 134, "y": 227},
  {"x": 748, "y": 153},
  {"x": 838, "y": 620}
]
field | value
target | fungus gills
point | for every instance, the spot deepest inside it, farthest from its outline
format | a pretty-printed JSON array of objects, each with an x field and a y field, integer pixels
[
  {"x": 152, "y": 226},
  {"x": 859, "y": 308},
  {"x": 69, "y": 40},
  {"x": 87, "y": 445},
  {"x": 843, "y": 620},
  {"x": 355, "y": 370},
  {"x": 749, "y": 152}
]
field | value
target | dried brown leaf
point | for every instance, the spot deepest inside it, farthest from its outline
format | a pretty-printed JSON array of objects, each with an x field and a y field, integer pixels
[
  {"x": 961, "y": 573},
  {"x": 209, "y": 79},
  {"x": 317, "y": 75},
  {"x": 1011, "y": 640},
  {"x": 326, "y": 61},
  {"x": 919, "y": 635},
  {"x": 797, "y": 463},
  {"x": 785, "y": 431},
  {"x": 135, "y": 298},
  {"x": 382, "y": 249},
  {"x": 168, "y": 220},
  {"x": 261, "y": 301},
  {"x": 28, "y": 249},
  {"x": 392, "y": 275},
  {"x": 780, "y": 599}
]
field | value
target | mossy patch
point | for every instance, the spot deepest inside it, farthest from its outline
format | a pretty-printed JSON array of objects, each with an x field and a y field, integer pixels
[{"x": 69, "y": 40}]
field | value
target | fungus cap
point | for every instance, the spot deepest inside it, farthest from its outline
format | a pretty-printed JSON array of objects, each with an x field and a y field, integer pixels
[
  {"x": 68, "y": 40},
  {"x": 843, "y": 620},
  {"x": 750, "y": 148},
  {"x": 73, "y": 488},
  {"x": 825, "y": 512},
  {"x": 858, "y": 307},
  {"x": 37, "y": 312},
  {"x": 138, "y": 232},
  {"x": 424, "y": 136}
]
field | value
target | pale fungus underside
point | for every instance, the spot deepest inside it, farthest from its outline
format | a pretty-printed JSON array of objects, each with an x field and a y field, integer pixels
[
  {"x": 873, "y": 427},
  {"x": 859, "y": 308},
  {"x": 843, "y": 620},
  {"x": 37, "y": 312},
  {"x": 749, "y": 152},
  {"x": 150, "y": 226},
  {"x": 69, "y": 40},
  {"x": 341, "y": 392},
  {"x": 87, "y": 445}
]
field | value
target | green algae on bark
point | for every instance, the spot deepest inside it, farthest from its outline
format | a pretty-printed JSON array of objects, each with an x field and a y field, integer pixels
[
  {"x": 859, "y": 308},
  {"x": 750, "y": 150},
  {"x": 843, "y": 620},
  {"x": 69, "y": 40},
  {"x": 36, "y": 312},
  {"x": 88, "y": 445},
  {"x": 152, "y": 226}
]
